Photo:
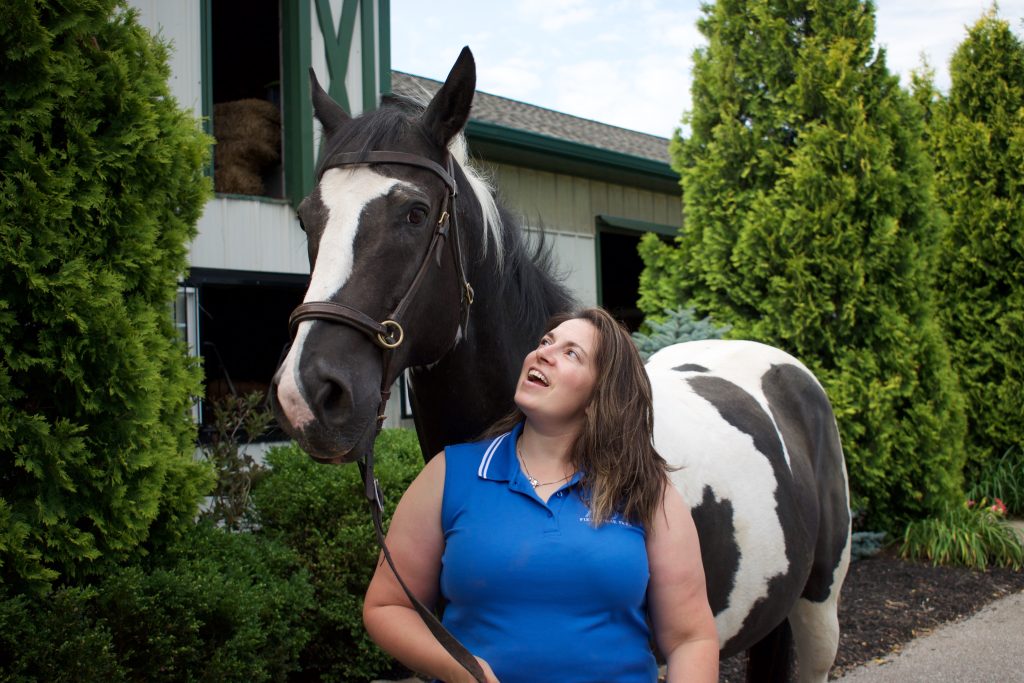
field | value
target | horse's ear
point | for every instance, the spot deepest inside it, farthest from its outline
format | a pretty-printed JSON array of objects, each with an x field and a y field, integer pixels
[
  {"x": 448, "y": 112},
  {"x": 328, "y": 112}
]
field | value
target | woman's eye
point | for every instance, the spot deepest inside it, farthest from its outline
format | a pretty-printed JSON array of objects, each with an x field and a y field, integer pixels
[
  {"x": 416, "y": 216},
  {"x": 573, "y": 354}
]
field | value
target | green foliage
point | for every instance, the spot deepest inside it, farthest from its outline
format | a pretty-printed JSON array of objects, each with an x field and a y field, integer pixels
[
  {"x": 321, "y": 512},
  {"x": 810, "y": 226},
  {"x": 237, "y": 422},
  {"x": 216, "y": 607},
  {"x": 680, "y": 325},
  {"x": 969, "y": 535},
  {"x": 865, "y": 544},
  {"x": 1002, "y": 479},
  {"x": 977, "y": 138},
  {"x": 101, "y": 183}
]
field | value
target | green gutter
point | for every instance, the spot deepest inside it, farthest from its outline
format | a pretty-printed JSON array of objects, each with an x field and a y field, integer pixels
[{"x": 494, "y": 142}]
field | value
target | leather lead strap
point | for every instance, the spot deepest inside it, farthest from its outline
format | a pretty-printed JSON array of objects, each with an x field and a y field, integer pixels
[{"x": 346, "y": 315}]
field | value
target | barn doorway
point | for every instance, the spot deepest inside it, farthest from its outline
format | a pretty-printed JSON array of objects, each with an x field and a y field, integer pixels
[{"x": 619, "y": 265}]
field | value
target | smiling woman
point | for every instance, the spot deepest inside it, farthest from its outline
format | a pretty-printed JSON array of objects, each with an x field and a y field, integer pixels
[{"x": 569, "y": 485}]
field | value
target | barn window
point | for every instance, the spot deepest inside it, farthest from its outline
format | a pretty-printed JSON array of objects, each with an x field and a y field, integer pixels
[{"x": 244, "y": 53}]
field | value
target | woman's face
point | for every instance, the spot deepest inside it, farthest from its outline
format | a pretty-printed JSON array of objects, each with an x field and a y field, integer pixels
[{"x": 558, "y": 377}]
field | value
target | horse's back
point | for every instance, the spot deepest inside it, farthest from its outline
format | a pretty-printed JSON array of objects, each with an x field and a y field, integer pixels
[{"x": 760, "y": 464}]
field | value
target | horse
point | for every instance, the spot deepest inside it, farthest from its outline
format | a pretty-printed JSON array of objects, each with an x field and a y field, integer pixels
[{"x": 415, "y": 265}]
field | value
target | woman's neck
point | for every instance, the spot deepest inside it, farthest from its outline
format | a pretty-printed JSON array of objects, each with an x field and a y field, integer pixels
[{"x": 549, "y": 448}]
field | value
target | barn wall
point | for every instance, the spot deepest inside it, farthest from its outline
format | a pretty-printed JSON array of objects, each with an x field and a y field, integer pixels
[
  {"x": 567, "y": 206},
  {"x": 178, "y": 21}
]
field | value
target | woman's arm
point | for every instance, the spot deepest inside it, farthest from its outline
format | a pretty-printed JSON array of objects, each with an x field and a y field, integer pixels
[
  {"x": 684, "y": 627},
  {"x": 416, "y": 542}
]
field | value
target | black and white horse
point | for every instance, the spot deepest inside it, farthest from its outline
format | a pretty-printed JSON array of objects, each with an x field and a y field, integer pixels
[{"x": 753, "y": 433}]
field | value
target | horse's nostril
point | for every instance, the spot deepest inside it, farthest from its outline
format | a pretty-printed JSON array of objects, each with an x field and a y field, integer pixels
[{"x": 334, "y": 400}]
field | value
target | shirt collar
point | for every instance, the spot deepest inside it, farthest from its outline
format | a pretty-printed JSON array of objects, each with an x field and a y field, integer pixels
[{"x": 499, "y": 462}]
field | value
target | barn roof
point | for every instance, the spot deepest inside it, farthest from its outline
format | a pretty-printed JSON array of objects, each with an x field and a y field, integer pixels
[{"x": 513, "y": 115}]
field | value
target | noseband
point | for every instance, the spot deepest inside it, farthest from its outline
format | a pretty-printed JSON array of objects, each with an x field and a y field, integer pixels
[{"x": 389, "y": 334}]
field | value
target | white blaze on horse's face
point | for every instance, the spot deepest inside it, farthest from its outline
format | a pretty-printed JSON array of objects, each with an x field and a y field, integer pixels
[{"x": 344, "y": 194}]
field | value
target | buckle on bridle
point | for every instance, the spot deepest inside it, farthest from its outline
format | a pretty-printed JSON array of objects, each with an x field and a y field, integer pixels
[{"x": 394, "y": 335}]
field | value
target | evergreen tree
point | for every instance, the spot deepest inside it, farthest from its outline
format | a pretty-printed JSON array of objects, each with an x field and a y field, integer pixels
[
  {"x": 810, "y": 224},
  {"x": 102, "y": 183},
  {"x": 977, "y": 135}
]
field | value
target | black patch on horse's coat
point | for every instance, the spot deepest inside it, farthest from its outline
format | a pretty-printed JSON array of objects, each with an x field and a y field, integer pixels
[
  {"x": 718, "y": 550},
  {"x": 742, "y": 411},
  {"x": 690, "y": 367},
  {"x": 805, "y": 418}
]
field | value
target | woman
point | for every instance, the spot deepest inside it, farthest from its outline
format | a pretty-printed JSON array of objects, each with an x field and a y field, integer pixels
[{"x": 554, "y": 538}]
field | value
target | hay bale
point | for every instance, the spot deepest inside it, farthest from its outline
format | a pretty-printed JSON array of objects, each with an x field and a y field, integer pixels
[{"x": 248, "y": 136}]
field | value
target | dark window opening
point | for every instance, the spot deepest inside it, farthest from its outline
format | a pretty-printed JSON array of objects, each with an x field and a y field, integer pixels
[
  {"x": 246, "y": 71},
  {"x": 619, "y": 270},
  {"x": 243, "y": 337}
]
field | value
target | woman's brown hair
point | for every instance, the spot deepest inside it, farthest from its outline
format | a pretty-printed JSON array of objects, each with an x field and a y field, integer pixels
[{"x": 621, "y": 471}]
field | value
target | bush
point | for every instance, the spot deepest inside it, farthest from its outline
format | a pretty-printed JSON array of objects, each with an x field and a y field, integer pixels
[
  {"x": 219, "y": 607},
  {"x": 811, "y": 225},
  {"x": 320, "y": 512},
  {"x": 680, "y": 325},
  {"x": 237, "y": 422},
  {"x": 1002, "y": 479},
  {"x": 101, "y": 184},
  {"x": 972, "y": 535}
]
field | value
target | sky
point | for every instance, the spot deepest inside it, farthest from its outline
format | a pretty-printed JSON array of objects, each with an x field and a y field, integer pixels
[{"x": 627, "y": 62}]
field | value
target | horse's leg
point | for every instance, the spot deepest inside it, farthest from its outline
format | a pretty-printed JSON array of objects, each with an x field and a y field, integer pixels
[
  {"x": 770, "y": 660},
  {"x": 816, "y": 635}
]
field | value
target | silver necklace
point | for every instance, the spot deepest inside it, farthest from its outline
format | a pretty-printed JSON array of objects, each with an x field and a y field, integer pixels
[{"x": 530, "y": 478}]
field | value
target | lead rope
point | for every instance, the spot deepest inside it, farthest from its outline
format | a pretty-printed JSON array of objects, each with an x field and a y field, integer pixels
[{"x": 371, "y": 488}]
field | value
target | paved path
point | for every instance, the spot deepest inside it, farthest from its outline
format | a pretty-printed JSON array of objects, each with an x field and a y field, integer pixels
[{"x": 987, "y": 647}]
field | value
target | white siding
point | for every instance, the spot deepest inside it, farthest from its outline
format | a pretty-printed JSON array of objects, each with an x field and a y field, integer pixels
[
  {"x": 249, "y": 234},
  {"x": 178, "y": 22}
]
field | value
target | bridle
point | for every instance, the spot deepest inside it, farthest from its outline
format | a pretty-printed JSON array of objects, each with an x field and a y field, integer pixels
[{"x": 389, "y": 334}]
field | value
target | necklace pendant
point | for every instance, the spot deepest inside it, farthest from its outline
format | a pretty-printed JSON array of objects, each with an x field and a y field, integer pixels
[{"x": 534, "y": 482}]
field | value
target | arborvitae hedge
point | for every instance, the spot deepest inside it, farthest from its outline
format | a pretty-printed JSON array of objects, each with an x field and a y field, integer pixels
[
  {"x": 810, "y": 224},
  {"x": 101, "y": 183},
  {"x": 977, "y": 134}
]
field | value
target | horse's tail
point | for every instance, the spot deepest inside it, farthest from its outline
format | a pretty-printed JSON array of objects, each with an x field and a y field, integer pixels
[{"x": 770, "y": 660}]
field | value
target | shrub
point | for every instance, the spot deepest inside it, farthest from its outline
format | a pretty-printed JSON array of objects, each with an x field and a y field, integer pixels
[
  {"x": 1002, "y": 478},
  {"x": 101, "y": 184},
  {"x": 811, "y": 225},
  {"x": 865, "y": 544},
  {"x": 237, "y": 422},
  {"x": 678, "y": 326},
  {"x": 972, "y": 535},
  {"x": 218, "y": 607},
  {"x": 320, "y": 511}
]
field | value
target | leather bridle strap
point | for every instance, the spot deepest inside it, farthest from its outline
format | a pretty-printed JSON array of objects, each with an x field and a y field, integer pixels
[{"x": 388, "y": 335}]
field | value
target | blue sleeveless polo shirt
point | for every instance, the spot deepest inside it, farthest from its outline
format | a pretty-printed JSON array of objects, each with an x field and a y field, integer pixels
[{"x": 534, "y": 588}]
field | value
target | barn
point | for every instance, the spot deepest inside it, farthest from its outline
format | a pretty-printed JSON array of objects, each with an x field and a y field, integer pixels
[{"x": 593, "y": 189}]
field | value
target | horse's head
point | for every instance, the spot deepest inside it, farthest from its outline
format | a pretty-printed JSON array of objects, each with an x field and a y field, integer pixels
[{"x": 387, "y": 288}]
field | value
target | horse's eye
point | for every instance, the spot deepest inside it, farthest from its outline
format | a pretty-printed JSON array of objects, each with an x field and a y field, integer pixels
[{"x": 416, "y": 216}]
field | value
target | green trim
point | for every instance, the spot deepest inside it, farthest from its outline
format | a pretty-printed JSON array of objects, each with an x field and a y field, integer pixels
[
  {"x": 366, "y": 36},
  {"x": 384, "y": 40},
  {"x": 251, "y": 198},
  {"x": 510, "y": 145},
  {"x": 633, "y": 225},
  {"x": 299, "y": 160},
  {"x": 337, "y": 46},
  {"x": 206, "y": 72}
]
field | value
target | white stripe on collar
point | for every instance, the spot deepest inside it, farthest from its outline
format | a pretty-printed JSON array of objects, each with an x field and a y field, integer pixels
[{"x": 485, "y": 462}]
